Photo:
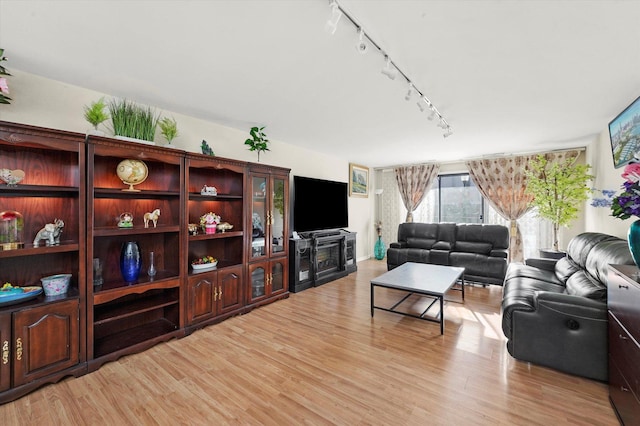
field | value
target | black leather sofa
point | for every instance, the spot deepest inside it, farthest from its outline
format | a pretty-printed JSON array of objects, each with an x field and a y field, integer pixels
[
  {"x": 481, "y": 249},
  {"x": 554, "y": 312}
]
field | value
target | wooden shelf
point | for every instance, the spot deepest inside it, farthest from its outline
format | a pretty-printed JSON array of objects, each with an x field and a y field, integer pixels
[
  {"x": 113, "y": 231},
  {"x": 196, "y": 196},
  {"x": 227, "y": 234},
  {"x": 30, "y": 250},
  {"x": 39, "y": 191},
  {"x": 111, "y": 291},
  {"x": 122, "y": 193},
  {"x": 124, "y": 310},
  {"x": 132, "y": 336}
]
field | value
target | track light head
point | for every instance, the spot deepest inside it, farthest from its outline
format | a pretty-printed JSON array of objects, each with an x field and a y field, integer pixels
[
  {"x": 389, "y": 69},
  {"x": 332, "y": 23},
  {"x": 362, "y": 46},
  {"x": 420, "y": 104},
  {"x": 432, "y": 115},
  {"x": 447, "y": 133},
  {"x": 442, "y": 124},
  {"x": 410, "y": 91}
]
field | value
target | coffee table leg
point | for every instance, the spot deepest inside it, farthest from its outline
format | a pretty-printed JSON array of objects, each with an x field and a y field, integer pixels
[
  {"x": 462, "y": 283},
  {"x": 372, "y": 299},
  {"x": 442, "y": 314}
]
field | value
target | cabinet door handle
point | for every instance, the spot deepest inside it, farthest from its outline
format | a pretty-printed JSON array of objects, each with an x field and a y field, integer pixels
[
  {"x": 623, "y": 286},
  {"x": 624, "y": 389},
  {"x": 623, "y": 337},
  {"x": 220, "y": 293},
  {"x": 19, "y": 349},
  {"x": 5, "y": 352},
  {"x": 215, "y": 294}
]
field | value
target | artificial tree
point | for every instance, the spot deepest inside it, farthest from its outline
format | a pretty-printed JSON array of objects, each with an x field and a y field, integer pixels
[{"x": 558, "y": 188}]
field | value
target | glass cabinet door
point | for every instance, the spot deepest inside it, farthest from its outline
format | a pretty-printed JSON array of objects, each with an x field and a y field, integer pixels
[
  {"x": 277, "y": 277},
  {"x": 278, "y": 201},
  {"x": 259, "y": 225},
  {"x": 258, "y": 282}
]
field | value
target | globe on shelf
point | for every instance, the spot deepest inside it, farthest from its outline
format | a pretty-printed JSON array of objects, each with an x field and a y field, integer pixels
[{"x": 132, "y": 172}]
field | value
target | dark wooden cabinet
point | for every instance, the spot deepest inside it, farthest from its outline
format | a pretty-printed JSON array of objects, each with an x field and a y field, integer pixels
[
  {"x": 268, "y": 245},
  {"x": 624, "y": 338},
  {"x": 126, "y": 317},
  {"x": 213, "y": 294},
  {"x": 74, "y": 177},
  {"x": 43, "y": 339}
]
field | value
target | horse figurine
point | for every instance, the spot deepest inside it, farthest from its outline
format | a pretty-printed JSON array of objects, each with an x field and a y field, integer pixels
[
  {"x": 153, "y": 216},
  {"x": 50, "y": 233}
]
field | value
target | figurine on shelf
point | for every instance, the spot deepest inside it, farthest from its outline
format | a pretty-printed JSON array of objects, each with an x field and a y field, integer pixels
[
  {"x": 153, "y": 216},
  {"x": 126, "y": 220},
  {"x": 209, "y": 190},
  {"x": 50, "y": 233},
  {"x": 206, "y": 149},
  {"x": 193, "y": 229}
]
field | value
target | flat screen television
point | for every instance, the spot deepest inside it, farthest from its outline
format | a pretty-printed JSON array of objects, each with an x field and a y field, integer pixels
[
  {"x": 624, "y": 132},
  {"x": 319, "y": 204}
]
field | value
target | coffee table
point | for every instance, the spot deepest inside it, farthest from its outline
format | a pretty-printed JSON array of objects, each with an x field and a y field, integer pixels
[{"x": 424, "y": 279}]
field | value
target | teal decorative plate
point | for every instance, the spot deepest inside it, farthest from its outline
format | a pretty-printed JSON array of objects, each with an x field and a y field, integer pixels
[{"x": 28, "y": 293}]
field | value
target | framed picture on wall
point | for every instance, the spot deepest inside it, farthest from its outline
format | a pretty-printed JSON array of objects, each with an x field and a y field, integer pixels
[{"x": 358, "y": 180}]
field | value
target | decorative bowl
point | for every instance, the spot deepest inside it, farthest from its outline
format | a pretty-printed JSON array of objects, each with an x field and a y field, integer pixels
[
  {"x": 55, "y": 285},
  {"x": 203, "y": 263},
  {"x": 11, "y": 177}
]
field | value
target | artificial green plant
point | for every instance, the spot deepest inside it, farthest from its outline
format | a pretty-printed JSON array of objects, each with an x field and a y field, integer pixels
[
  {"x": 168, "y": 128},
  {"x": 559, "y": 189},
  {"x": 95, "y": 113},
  {"x": 258, "y": 141}
]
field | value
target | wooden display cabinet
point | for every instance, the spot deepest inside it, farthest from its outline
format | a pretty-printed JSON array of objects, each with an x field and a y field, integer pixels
[
  {"x": 219, "y": 292},
  {"x": 268, "y": 243},
  {"x": 43, "y": 339},
  {"x": 130, "y": 317}
]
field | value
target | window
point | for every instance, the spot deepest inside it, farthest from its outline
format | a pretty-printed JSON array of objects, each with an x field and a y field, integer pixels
[{"x": 452, "y": 198}]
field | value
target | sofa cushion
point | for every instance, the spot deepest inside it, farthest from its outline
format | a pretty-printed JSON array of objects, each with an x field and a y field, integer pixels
[
  {"x": 443, "y": 245},
  {"x": 580, "y": 246},
  {"x": 564, "y": 268},
  {"x": 496, "y": 235},
  {"x": 422, "y": 243},
  {"x": 581, "y": 284},
  {"x": 526, "y": 271},
  {"x": 473, "y": 247}
]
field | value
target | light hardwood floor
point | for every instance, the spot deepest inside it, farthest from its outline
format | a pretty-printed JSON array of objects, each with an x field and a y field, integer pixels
[{"x": 319, "y": 358}]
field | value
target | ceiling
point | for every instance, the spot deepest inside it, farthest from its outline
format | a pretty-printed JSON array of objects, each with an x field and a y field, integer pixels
[{"x": 508, "y": 76}]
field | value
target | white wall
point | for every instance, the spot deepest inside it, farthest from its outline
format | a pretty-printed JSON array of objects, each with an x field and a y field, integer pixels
[
  {"x": 43, "y": 102},
  {"x": 607, "y": 177}
]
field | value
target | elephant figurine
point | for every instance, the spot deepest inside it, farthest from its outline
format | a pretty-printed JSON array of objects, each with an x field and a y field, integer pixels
[{"x": 50, "y": 233}]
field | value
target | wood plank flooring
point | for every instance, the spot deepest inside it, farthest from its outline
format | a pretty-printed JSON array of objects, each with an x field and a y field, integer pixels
[{"x": 318, "y": 358}]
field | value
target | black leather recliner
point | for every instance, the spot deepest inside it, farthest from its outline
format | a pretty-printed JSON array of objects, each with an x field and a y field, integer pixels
[
  {"x": 481, "y": 249},
  {"x": 554, "y": 312}
]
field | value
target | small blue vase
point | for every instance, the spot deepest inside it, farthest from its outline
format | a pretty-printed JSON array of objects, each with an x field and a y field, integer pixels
[
  {"x": 633, "y": 238},
  {"x": 130, "y": 261},
  {"x": 379, "y": 249}
]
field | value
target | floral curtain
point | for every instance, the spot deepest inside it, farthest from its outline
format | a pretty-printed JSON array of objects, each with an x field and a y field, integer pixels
[
  {"x": 502, "y": 182},
  {"x": 414, "y": 183}
]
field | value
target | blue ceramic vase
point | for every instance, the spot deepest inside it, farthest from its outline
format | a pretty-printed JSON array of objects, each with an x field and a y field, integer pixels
[
  {"x": 130, "y": 261},
  {"x": 379, "y": 249},
  {"x": 633, "y": 238}
]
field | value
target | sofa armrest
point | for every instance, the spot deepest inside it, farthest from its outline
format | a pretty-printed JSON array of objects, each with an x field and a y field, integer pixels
[
  {"x": 565, "y": 332},
  {"x": 542, "y": 263},
  {"x": 400, "y": 244},
  {"x": 499, "y": 253}
]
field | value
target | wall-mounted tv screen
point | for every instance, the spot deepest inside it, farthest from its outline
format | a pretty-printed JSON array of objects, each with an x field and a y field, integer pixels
[
  {"x": 624, "y": 132},
  {"x": 319, "y": 204}
]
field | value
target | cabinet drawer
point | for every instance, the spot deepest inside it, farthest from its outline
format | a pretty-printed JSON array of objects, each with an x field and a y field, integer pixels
[
  {"x": 624, "y": 350},
  {"x": 624, "y": 302},
  {"x": 625, "y": 402}
]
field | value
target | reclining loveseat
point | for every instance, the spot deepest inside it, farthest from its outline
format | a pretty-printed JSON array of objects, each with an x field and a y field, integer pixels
[
  {"x": 554, "y": 312},
  {"x": 481, "y": 249}
]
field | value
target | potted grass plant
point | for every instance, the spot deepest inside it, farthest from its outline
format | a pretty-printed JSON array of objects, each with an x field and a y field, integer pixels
[
  {"x": 95, "y": 114},
  {"x": 131, "y": 121}
]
